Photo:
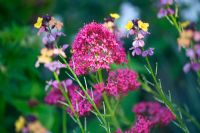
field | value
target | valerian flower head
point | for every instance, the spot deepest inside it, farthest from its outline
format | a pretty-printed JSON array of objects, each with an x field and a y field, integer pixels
[
  {"x": 154, "y": 113},
  {"x": 95, "y": 47},
  {"x": 149, "y": 114},
  {"x": 121, "y": 81}
]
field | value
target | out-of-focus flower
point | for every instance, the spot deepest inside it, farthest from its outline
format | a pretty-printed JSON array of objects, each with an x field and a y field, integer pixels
[
  {"x": 197, "y": 36},
  {"x": 53, "y": 22},
  {"x": 121, "y": 81},
  {"x": 36, "y": 127},
  {"x": 129, "y": 25},
  {"x": 38, "y": 24},
  {"x": 185, "y": 24},
  {"x": 95, "y": 47},
  {"x": 110, "y": 25},
  {"x": 166, "y": 2},
  {"x": 185, "y": 38},
  {"x": 19, "y": 124},
  {"x": 165, "y": 9},
  {"x": 114, "y": 15},
  {"x": 154, "y": 113},
  {"x": 143, "y": 26},
  {"x": 55, "y": 66},
  {"x": 47, "y": 55}
]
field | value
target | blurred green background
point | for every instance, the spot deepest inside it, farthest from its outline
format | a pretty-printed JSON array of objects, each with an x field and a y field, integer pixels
[{"x": 21, "y": 83}]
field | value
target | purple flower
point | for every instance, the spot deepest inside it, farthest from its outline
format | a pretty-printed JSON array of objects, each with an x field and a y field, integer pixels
[
  {"x": 166, "y": 2},
  {"x": 136, "y": 51},
  {"x": 197, "y": 49},
  {"x": 45, "y": 40},
  {"x": 186, "y": 67},
  {"x": 170, "y": 11},
  {"x": 55, "y": 66},
  {"x": 64, "y": 47},
  {"x": 195, "y": 66},
  {"x": 190, "y": 53},
  {"x": 148, "y": 52},
  {"x": 138, "y": 43},
  {"x": 51, "y": 37},
  {"x": 162, "y": 13}
]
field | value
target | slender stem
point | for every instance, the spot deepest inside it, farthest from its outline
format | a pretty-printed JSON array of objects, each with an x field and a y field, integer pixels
[
  {"x": 165, "y": 99},
  {"x": 70, "y": 105},
  {"x": 175, "y": 23},
  {"x": 111, "y": 111},
  {"x": 107, "y": 127},
  {"x": 64, "y": 122}
]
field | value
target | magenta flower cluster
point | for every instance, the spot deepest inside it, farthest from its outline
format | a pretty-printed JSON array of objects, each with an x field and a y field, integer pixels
[
  {"x": 95, "y": 47},
  {"x": 119, "y": 82},
  {"x": 149, "y": 114},
  {"x": 76, "y": 96},
  {"x": 153, "y": 113}
]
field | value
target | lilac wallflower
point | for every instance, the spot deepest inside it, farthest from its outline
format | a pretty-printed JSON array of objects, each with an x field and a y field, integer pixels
[
  {"x": 55, "y": 66},
  {"x": 165, "y": 8},
  {"x": 95, "y": 47},
  {"x": 50, "y": 29},
  {"x": 139, "y": 30}
]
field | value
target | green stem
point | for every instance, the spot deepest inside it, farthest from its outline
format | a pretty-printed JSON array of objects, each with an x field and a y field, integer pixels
[
  {"x": 111, "y": 111},
  {"x": 106, "y": 125},
  {"x": 64, "y": 115},
  {"x": 175, "y": 23},
  {"x": 165, "y": 99},
  {"x": 69, "y": 103}
]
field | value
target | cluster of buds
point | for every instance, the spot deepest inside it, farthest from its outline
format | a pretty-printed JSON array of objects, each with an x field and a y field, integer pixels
[
  {"x": 139, "y": 30},
  {"x": 190, "y": 40},
  {"x": 165, "y": 8}
]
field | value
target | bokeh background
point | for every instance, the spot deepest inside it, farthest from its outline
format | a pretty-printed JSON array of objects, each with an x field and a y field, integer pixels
[{"x": 22, "y": 85}]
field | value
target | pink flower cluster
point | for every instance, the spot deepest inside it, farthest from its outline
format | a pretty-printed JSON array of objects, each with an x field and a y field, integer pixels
[
  {"x": 148, "y": 115},
  {"x": 95, "y": 47},
  {"x": 76, "y": 96},
  {"x": 154, "y": 112},
  {"x": 119, "y": 82}
]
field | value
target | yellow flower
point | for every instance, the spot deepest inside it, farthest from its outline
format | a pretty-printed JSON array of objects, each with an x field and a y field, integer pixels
[
  {"x": 114, "y": 15},
  {"x": 109, "y": 25},
  {"x": 129, "y": 25},
  {"x": 38, "y": 24},
  {"x": 19, "y": 124},
  {"x": 143, "y": 26},
  {"x": 185, "y": 24}
]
